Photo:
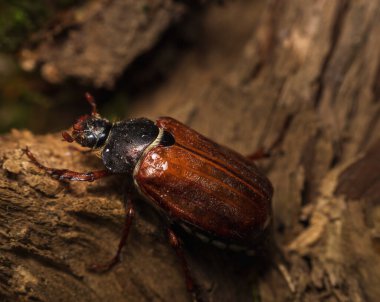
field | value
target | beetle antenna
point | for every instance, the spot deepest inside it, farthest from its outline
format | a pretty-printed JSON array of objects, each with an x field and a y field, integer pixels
[
  {"x": 90, "y": 99},
  {"x": 67, "y": 137}
]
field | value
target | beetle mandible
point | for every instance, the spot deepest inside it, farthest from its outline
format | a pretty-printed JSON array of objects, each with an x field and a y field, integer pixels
[{"x": 207, "y": 189}]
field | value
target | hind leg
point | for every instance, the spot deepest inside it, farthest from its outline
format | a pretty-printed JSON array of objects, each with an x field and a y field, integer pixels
[{"x": 190, "y": 282}]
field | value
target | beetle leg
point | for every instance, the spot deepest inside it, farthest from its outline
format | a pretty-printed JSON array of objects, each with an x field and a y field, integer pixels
[
  {"x": 64, "y": 174},
  {"x": 129, "y": 214},
  {"x": 177, "y": 246},
  {"x": 262, "y": 153},
  {"x": 259, "y": 154}
]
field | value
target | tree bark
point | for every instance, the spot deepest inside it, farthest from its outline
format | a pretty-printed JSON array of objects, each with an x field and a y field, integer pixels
[
  {"x": 95, "y": 42},
  {"x": 253, "y": 66}
]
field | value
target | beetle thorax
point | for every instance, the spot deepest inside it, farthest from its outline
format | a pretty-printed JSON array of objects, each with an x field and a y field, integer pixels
[{"x": 126, "y": 144}]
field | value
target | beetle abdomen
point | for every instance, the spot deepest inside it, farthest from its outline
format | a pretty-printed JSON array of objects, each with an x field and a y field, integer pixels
[{"x": 206, "y": 185}]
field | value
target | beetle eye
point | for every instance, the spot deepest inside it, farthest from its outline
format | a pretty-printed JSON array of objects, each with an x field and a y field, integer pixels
[
  {"x": 90, "y": 138},
  {"x": 87, "y": 139}
]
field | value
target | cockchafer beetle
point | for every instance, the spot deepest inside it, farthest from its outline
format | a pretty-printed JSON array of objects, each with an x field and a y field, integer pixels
[{"x": 207, "y": 189}]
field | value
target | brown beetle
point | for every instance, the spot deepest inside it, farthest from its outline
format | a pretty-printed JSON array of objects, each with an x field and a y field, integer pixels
[{"x": 207, "y": 189}]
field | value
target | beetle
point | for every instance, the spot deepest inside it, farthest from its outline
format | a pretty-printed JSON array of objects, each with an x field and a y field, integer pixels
[{"x": 204, "y": 188}]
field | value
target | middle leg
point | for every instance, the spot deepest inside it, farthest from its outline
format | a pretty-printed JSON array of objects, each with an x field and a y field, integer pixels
[{"x": 129, "y": 214}]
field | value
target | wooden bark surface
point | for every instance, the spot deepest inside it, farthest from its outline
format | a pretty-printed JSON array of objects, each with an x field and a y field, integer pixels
[
  {"x": 253, "y": 65},
  {"x": 98, "y": 40}
]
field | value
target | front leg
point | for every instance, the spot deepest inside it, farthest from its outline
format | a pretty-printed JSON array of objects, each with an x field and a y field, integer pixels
[{"x": 64, "y": 174}]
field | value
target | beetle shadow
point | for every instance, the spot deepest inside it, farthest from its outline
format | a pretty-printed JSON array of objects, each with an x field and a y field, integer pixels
[{"x": 224, "y": 275}]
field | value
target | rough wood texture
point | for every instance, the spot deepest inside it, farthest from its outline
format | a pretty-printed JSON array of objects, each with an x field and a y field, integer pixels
[
  {"x": 253, "y": 65},
  {"x": 96, "y": 42}
]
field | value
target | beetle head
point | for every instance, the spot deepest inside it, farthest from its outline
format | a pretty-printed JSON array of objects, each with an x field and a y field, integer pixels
[{"x": 89, "y": 130}]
